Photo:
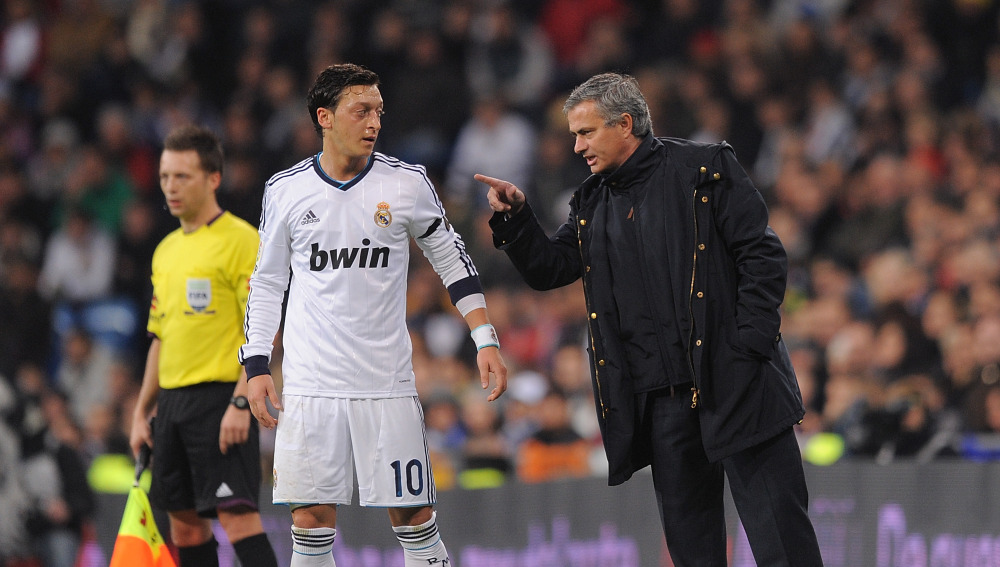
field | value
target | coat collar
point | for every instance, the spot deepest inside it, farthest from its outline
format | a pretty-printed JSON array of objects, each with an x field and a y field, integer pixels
[{"x": 637, "y": 165}]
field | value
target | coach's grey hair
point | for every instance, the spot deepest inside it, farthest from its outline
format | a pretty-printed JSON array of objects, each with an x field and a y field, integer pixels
[{"x": 614, "y": 94}]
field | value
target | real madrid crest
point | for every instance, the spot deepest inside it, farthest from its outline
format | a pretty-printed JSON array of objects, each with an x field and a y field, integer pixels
[{"x": 383, "y": 217}]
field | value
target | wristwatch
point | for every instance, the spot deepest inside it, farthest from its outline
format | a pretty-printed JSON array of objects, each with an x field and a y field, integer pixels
[{"x": 240, "y": 402}]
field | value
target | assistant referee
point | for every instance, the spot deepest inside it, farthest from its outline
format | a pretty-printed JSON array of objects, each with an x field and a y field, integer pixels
[{"x": 206, "y": 452}]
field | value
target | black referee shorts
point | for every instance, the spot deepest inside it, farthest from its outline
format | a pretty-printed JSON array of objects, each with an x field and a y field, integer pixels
[{"x": 189, "y": 470}]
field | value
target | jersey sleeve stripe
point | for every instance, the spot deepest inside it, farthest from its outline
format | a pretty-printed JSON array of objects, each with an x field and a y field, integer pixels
[
  {"x": 470, "y": 267},
  {"x": 299, "y": 167}
]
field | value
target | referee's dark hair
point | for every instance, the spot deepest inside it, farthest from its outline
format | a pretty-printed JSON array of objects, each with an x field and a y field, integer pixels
[
  {"x": 330, "y": 84},
  {"x": 201, "y": 140}
]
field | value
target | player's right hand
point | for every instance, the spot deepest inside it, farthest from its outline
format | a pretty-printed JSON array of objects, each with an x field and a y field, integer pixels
[
  {"x": 260, "y": 389},
  {"x": 141, "y": 434},
  {"x": 503, "y": 196}
]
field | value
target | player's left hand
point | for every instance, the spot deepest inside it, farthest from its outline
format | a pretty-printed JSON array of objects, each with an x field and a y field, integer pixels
[
  {"x": 490, "y": 362},
  {"x": 235, "y": 428}
]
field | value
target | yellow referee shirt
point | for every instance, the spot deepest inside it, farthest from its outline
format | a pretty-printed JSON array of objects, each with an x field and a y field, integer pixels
[{"x": 200, "y": 288}]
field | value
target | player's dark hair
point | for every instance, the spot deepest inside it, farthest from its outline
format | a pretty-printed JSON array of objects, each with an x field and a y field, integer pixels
[
  {"x": 329, "y": 87},
  {"x": 201, "y": 140}
]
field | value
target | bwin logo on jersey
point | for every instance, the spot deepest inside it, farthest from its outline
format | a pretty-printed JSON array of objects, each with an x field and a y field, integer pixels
[{"x": 346, "y": 257}]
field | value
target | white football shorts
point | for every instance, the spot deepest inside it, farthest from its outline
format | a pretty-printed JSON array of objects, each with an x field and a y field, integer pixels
[{"x": 321, "y": 442}]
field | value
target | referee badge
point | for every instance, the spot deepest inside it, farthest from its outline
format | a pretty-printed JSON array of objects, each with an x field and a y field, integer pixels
[
  {"x": 199, "y": 293},
  {"x": 383, "y": 217}
]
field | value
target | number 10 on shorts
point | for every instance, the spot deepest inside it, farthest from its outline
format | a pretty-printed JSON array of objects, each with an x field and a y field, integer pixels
[{"x": 414, "y": 472}]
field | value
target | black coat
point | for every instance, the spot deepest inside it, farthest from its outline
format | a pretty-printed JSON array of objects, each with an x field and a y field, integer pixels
[{"x": 706, "y": 247}]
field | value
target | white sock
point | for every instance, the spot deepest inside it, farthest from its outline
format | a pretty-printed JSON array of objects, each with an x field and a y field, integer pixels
[
  {"x": 422, "y": 545},
  {"x": 313, "y": 547}
]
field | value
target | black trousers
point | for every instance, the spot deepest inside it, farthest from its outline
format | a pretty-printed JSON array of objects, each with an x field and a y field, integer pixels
[{"x": 767, "y": 483}]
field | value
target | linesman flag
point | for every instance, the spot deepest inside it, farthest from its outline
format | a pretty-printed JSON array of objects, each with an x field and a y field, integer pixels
[{"x": 139, "y": 543}]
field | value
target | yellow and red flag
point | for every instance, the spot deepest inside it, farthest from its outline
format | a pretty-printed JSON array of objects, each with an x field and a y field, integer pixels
[{"x": 139, "y": 543}]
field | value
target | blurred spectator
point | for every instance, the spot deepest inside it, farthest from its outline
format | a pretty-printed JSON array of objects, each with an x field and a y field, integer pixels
[
  {"x": 13, "y": 526},
  {"x": 21, "y": 48},
  {"x": 23, "y": 218},
  {"x": 426, "y": 104},
  {"x": 556, "y": 173},
  {"x": 445, "y": 436},
  {"x": 829, "y": 133},
  {"x": 985, "y": 417},
  {"x": 83, "y": 374},
  {"x": 26, "y": 325},
  {"x": 142, "y": 229},
  {"x": 96, "y": 187},
  {"x": 126, "y": 154},
  {"x": 803, "y": 51},
  {"x": 49, "y": 169},
  {"x": 76, "y": 35},
  {"x": 525, "y": 390},
  {"x": 17, "y": 136},
  {"x": 242, "y": 190},
  {"x": 511, "y": 59},
  {"x": 284, "y": 109},
  {"x": 964, "y": 31},
  {"x": 712, "y": 122},
  {"x": 555, "y": 450},
  {"x": 567, "y": 22},
  {"x": 79, "y": 261},
  {"x": 607, "y": 44},
  {"x": 901, "y": 347},
  {"x": 866, "y": 72},
  {"x": 486, "y": 457},
  {"x": 496, "y": 141},
  {"x": 873, "y": 213},
  {"x": 571, "y": 376},
  {"x": 56, "y": 481}
]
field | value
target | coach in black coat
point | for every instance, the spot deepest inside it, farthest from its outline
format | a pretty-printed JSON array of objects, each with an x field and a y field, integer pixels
[{"x": 683, "y": 281}]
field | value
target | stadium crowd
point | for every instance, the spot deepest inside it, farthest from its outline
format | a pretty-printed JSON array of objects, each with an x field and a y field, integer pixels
[{"x": 871, "y": 127}]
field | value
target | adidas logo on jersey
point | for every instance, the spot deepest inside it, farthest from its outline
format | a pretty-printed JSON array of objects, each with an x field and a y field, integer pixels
[
  {"x": 223, "y": 491},
  {"x": 309, "y": 218},
  {"x": 346, "y": 257}
]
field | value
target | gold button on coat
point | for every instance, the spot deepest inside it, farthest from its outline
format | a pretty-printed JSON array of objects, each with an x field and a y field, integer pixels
[
  {"x": 593, "y": 315},
  {"x": 583, "y": 222}
]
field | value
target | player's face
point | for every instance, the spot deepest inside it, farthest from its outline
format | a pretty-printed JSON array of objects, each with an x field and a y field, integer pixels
[
  {"x": 356, "y": 121},
  {"x": 188, "y": 188},
  {"x": 604, "y": 147}
]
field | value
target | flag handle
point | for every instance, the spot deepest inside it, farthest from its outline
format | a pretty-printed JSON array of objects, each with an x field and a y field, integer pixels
[{"x": 142, "y": 462}]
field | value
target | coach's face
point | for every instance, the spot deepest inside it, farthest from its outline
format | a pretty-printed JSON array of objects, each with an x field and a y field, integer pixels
[
  {"x": 356, "y": 121},
  {"x": 604, "y": 147},
  {"x": 187, "y": 187}
]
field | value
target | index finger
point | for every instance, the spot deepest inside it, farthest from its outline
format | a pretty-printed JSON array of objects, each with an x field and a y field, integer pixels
[{"x": 491, "y": 181}]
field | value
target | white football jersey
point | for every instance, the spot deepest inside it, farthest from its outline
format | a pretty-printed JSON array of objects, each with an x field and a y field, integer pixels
[{"x": 347, "y": 245}]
